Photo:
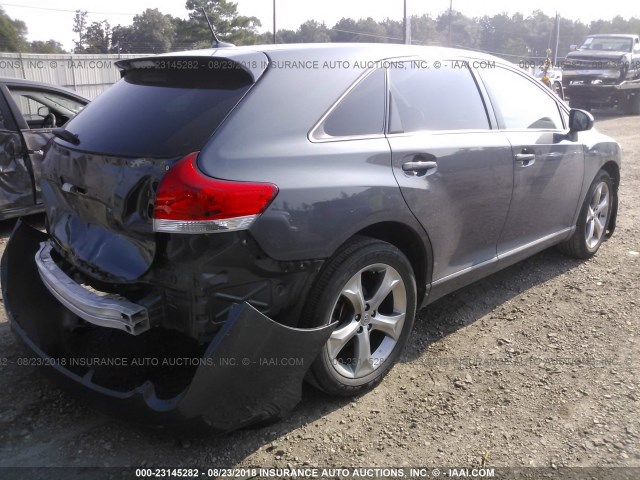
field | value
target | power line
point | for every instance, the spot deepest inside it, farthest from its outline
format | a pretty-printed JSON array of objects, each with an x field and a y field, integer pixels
[
  {"x": 364, "y": 34},
  {"x": 64, "y": 10},
  {"x": 497, "y": 53}
]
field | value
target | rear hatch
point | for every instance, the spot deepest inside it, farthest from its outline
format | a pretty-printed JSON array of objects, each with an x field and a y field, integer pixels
[{"x": 98, "y": 183}]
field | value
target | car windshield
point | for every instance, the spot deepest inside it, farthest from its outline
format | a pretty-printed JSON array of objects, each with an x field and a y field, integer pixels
[{"x": 614, "y": 44}]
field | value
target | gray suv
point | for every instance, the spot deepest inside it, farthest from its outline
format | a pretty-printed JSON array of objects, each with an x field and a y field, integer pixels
[{"x": 246, "y": 218}]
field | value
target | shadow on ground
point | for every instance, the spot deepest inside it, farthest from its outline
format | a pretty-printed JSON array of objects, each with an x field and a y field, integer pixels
[{"x": 29, "y": 404}]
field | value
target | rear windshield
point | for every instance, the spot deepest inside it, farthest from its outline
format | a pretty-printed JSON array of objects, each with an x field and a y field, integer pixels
[{"x": 159, "y": 112}]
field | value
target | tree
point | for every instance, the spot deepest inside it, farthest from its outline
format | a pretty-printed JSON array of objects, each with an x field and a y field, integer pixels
[
  {"x": 313, "y": 32},
  {"x": 92, "y": 38},
  {"x": 50, "y": 46},
  {"x": 365, "y": 30},
  {"x": 615, "y": 25},
  {"x": 504, "y": 35},
  {"x": 223, "y": 14},
  {"x": 284, "y": 36},
  {"x": 465, "y": 31},
  {"x": 343, "y": 31},
  {"x": 80, "y": 28},
  {"x": 122, "y": 40},
  {"x": 424, "y": 31},
  {"x": 151, "y": 32},
  {"x": 394, "y": 30},
  {"x": 12, "y": 34},
  {"x": 537, "y": 35},
  {"x": 97, "y": 38}
]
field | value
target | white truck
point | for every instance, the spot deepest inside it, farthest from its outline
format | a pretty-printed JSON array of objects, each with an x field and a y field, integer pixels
[{"x": 604, "y": 72}]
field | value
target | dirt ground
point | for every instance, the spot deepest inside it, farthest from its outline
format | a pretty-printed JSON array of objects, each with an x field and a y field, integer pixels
[{"x": 534, "y": 366}]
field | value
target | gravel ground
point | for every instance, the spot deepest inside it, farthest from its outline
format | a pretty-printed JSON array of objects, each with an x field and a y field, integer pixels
[{"x": 534, "y": 366}]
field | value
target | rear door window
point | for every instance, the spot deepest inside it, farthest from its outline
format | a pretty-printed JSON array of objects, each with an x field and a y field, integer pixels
[
  {"x": 160, "y": 112},
  {"x": 428, "y": 99}
]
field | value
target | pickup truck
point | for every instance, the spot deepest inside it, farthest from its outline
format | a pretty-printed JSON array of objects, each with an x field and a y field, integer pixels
[
  {"x": 604, "y": 72},
  {"x": 29, "y": 111}
]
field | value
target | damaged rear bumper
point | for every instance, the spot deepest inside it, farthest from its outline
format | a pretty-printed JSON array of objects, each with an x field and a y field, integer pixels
[
  {"x": 108, "y": 312},
  {"x": 251, "y": 372}
]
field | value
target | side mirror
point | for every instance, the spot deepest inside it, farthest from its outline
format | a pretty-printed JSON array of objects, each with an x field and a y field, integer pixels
[
  {"x": 580, "y": 121},
  {"x": 573, "y": 47},
  {"x": 43, "y": 111}
]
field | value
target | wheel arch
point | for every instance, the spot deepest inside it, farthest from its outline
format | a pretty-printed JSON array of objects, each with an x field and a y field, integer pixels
[
  {"x": 416, "y": 247},
  {"x": 613, "y": 170}
]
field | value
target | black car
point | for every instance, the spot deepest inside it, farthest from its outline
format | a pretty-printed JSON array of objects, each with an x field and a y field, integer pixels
[
  {"x": 224, "y": 223},
  {"x": 28, "y": 112}
]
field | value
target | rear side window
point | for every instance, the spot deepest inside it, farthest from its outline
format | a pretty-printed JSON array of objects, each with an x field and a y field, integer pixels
[
  {"x": 521, "y": 104},
  {"x": 434, "y": 99},
  {"x": 159, "y": 113},
  {"x": 360, "y": 113}
]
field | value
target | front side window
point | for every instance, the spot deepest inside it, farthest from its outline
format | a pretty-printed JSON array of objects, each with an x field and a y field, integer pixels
[
  {"x": 446, "y": 98},
  {"x": 60, "y": 102},
  {"x": 31, "y": 109},
  {"x": 35, "y": 104},
  {"x": 520, "y": 103}
]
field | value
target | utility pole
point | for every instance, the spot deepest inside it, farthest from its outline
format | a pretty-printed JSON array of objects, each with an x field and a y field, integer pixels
[
  {"x": 407, "y": 26},
  {"x": 274, "y": 22},
  {"x": 555, "y": 55},
  {"x": 450, "y": 19}
]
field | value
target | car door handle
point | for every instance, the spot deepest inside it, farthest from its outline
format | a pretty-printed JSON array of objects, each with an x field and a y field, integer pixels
[
  {"x": 418, "y": 166},
  {"x": 526, "y": 159}
]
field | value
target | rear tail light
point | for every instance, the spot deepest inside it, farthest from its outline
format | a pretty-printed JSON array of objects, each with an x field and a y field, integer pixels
[{"x": 187, "y": 201}]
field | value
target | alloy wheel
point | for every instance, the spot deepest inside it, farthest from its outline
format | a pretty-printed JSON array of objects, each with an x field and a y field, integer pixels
[
  {"x": 370, "y": 311},
  {"x": 597, "y": 215}
]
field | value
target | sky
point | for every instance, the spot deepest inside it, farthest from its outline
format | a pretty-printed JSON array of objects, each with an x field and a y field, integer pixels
[{"x": 54, "y": 19}]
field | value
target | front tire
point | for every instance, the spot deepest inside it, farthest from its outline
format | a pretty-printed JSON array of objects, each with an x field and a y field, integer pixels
[
  {"x": 369, "y": 289},
  {"x": 593, "y": 220}
]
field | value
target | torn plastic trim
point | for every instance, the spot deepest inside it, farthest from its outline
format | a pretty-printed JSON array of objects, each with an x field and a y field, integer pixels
[
  {"x": 111, "y": 311},
  {"x": 239, "y": 380}
]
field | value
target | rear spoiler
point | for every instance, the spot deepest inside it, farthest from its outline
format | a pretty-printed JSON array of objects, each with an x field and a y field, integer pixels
[{"x": 251, "y": 62}]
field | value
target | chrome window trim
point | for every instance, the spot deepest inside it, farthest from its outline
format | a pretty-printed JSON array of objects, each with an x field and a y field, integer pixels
[{"x": 317, "y": 134}]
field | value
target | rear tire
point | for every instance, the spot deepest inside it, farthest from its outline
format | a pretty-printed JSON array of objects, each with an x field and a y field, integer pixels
[
  {"x": 369, "y": 289},
  {"x": 593, "y": 219}
]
